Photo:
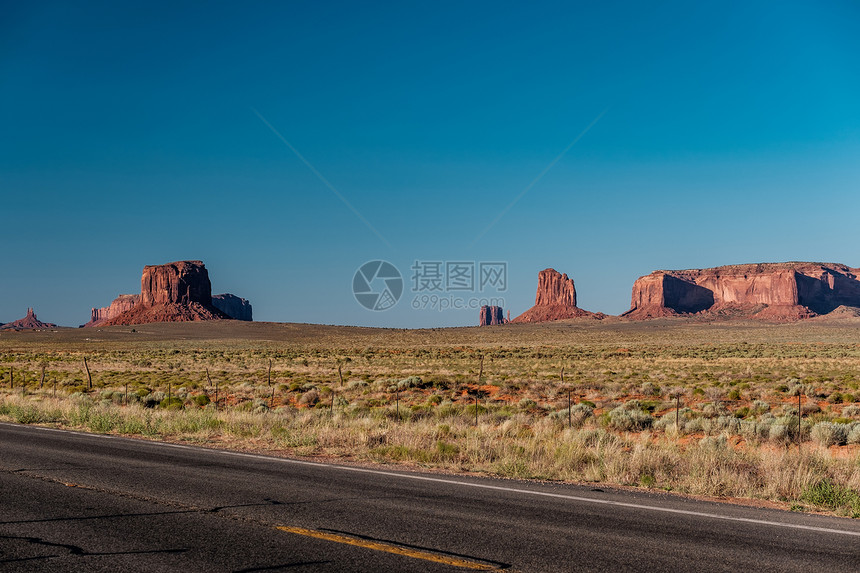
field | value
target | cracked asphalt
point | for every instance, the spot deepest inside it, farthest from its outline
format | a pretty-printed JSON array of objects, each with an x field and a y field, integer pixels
[{"x": 79, "y": 502}]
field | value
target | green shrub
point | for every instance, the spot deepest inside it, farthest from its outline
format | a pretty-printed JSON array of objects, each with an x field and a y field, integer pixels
[
  {"x": 854, "y": 434},
  {"x": 851, "y": 411},
  {"x": 470, "y": 410},
  {"x": 742, "y": 412},
  {"x": 760, "y": 406},
  {"x": 780, "y": 433},
  {"x": 784, "y": 429},
  {"x": 833, "y": 496},
  {"x": 650, "y": 389},
  {"x": 172, "y": 403},
  {"x": 445, "y": 450},
  {"x": 579, "y": 413},
  {"x": 810, "y": 408},
  {"x": 685, "y": 421},
  {"x": 527, "y": 404},
  {"x": 629, "y": 420},
  {"x": 23, "y": 414},
  {"x": 310, "y": 398},
  {"x": 412, "y": 382},
  {"x": 154, "y": 399},
  {"x": 103, "y": 420},
  {"x": 829, "y": 434}
]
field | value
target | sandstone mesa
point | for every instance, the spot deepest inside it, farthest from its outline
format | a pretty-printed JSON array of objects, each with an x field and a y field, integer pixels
[
  {"x": 768, "y": 291},
  {"x": 173, "y": 292}
]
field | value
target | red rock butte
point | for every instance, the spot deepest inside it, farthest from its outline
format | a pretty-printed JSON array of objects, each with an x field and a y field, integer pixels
[
  {"x": 771, "y": 291},
  {"x": 555, "y": 300},
  {"x": 29, "y": 322},
  {"x": 122, "y": 303},
  {"x": 175, "y": 292},
  {"x": 491, "y": 316}
]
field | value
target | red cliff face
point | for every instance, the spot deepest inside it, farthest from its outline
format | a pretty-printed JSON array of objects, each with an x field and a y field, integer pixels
[
  {"x": 555, "y": 288},
  {"x": 491, "y": 315},
  {"x": 119, "y": 305},
  {"x": 779, "y": 291},
  {"x": 175, "y": 292},
  {"x": 555, "y": 299},
  {"x": 182, "y": 282}
]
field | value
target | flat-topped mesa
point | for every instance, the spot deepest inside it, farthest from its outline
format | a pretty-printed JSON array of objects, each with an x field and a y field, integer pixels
[
  {"x": 555, "y": 300},
  {"x": 182, "y": 282},
  {"x": 233, "y": 306},
  {"x": 29, "y": 322},
  {"x": 119, "y": 305},
  {"x": 175, "y": 292},
  {"x": 777, "y": 291},
  {"x": 491, "y": 316}
]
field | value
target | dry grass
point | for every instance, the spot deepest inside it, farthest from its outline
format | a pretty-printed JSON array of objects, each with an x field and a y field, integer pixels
[{"x": 736, "y": 435}]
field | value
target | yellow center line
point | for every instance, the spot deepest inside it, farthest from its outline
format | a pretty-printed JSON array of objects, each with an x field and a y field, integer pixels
[{"x": 388, "y": 548}]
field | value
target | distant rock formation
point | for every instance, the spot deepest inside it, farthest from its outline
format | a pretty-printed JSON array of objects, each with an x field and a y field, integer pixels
[
  {"x": 492, "y": 315},
  {"x": 120, "y": 304},
  {"x": 771, "y": 291},
  {"x": 175, "y": 292},
  {"x": 555, "y": 300},
  {"x": 182, "y": 282},
  {"x": 233, "y": 306},
  {"x": 29, "y": 322}
]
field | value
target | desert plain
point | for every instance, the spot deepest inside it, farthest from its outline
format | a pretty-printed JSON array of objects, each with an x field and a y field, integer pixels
[{"x": 746, "y": 411}]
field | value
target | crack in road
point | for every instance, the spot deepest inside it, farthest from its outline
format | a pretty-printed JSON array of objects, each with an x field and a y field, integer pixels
[{"x": 76, "y": 550}]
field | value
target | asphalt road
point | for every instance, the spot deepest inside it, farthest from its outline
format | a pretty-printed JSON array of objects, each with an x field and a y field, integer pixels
[{"x": 80, "y": 502}]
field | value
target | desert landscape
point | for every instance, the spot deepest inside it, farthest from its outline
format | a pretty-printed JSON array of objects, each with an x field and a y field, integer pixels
[
  {"x": 676, "y": 404},
  {"x": 754, "y": 398},
  {"x": 533, "y": 287}
]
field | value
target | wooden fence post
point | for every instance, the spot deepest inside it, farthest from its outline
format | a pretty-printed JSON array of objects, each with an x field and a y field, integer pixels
[
  {"x": 799, "y": 416},
  {"x": 569, "y": 406},
  {"x": 89, "y": 376}
]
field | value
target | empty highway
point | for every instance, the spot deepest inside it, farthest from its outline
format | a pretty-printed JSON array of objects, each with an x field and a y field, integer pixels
[{"x": 81, "y": 502}]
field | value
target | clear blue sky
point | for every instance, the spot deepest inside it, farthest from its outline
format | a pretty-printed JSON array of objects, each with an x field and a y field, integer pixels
[{"x": 730, "y": 133}]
